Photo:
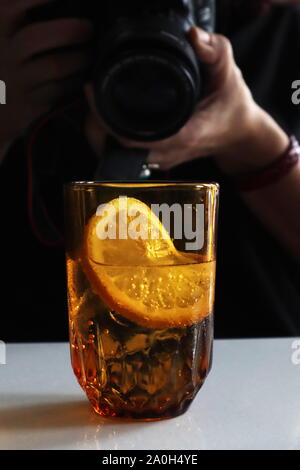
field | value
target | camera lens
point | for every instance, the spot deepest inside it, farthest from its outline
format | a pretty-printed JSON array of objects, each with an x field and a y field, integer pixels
[
  {"x": 144, "y": 90},
  {"x": 147, "y": 97}
]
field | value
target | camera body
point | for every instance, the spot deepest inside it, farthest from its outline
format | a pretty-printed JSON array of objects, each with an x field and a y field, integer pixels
[{"x": 146, "y": 76}]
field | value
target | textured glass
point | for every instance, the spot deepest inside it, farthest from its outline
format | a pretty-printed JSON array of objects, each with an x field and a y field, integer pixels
[{"x": 132, "y": 367}]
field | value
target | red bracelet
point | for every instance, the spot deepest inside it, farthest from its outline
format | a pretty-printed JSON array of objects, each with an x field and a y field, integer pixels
[{"x": 274, "y": 172}]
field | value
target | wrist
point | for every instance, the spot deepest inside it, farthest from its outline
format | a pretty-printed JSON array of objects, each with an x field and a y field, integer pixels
[
  {"x": 274, "y": 172},
  {"x": 260, "y": 143}
]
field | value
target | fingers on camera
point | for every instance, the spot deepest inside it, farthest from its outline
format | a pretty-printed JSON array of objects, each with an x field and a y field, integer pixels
[
  {"x": 58, "y": 67},
  {"x": 212, "y": 49},
  {"x": 37, "y": 39},
  {"x": 15, "y": 12}
]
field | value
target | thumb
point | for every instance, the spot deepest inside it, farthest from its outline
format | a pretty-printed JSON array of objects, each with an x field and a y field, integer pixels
[{"x": 215, "y": 51}]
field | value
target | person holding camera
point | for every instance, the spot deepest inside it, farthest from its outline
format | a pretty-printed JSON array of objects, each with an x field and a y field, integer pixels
[
  {"x": 232, "y": 139},
  {"x": 229, "y": 138}
]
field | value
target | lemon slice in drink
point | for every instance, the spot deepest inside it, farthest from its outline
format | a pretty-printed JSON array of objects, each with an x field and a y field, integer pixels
[{"x": 144, "y": 278}]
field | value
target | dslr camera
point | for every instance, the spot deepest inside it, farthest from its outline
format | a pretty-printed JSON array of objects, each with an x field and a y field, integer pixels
[{"x": 146, "y": 76}]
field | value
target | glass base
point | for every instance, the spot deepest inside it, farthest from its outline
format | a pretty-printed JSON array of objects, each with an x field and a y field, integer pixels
[{"x": 143, "y": 414}]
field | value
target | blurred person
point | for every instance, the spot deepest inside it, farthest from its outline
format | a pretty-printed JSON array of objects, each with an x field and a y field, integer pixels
[
  {"x": 42, "y": 64},
  {"x": 231, "y": 138}
]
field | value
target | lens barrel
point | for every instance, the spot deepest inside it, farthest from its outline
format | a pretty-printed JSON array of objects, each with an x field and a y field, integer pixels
[
  {"x": 148, "y": 83},
  {"x": 147, "y": 96}
]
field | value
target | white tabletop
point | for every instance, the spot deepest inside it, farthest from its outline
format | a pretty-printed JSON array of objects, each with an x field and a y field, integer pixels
[{"x": 251, "y": 400}]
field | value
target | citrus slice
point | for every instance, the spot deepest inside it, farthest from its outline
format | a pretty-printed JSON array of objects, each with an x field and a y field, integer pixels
[{"x": 141, "y": 276}]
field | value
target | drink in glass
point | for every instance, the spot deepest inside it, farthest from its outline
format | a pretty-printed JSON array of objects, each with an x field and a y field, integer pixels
[{"x": 141, "y": 294}]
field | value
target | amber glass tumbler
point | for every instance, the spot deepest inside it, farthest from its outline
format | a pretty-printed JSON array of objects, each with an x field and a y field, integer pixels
[{"x": 141, "y": 263}]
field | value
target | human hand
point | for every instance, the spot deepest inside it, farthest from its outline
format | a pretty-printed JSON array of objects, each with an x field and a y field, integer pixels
[
  {"x": 40, "y": 63},
  {"x": 227, "y": 124}
]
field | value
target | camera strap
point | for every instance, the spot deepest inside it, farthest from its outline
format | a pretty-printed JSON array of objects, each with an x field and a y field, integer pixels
[{"x": 122, "y": 164}]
